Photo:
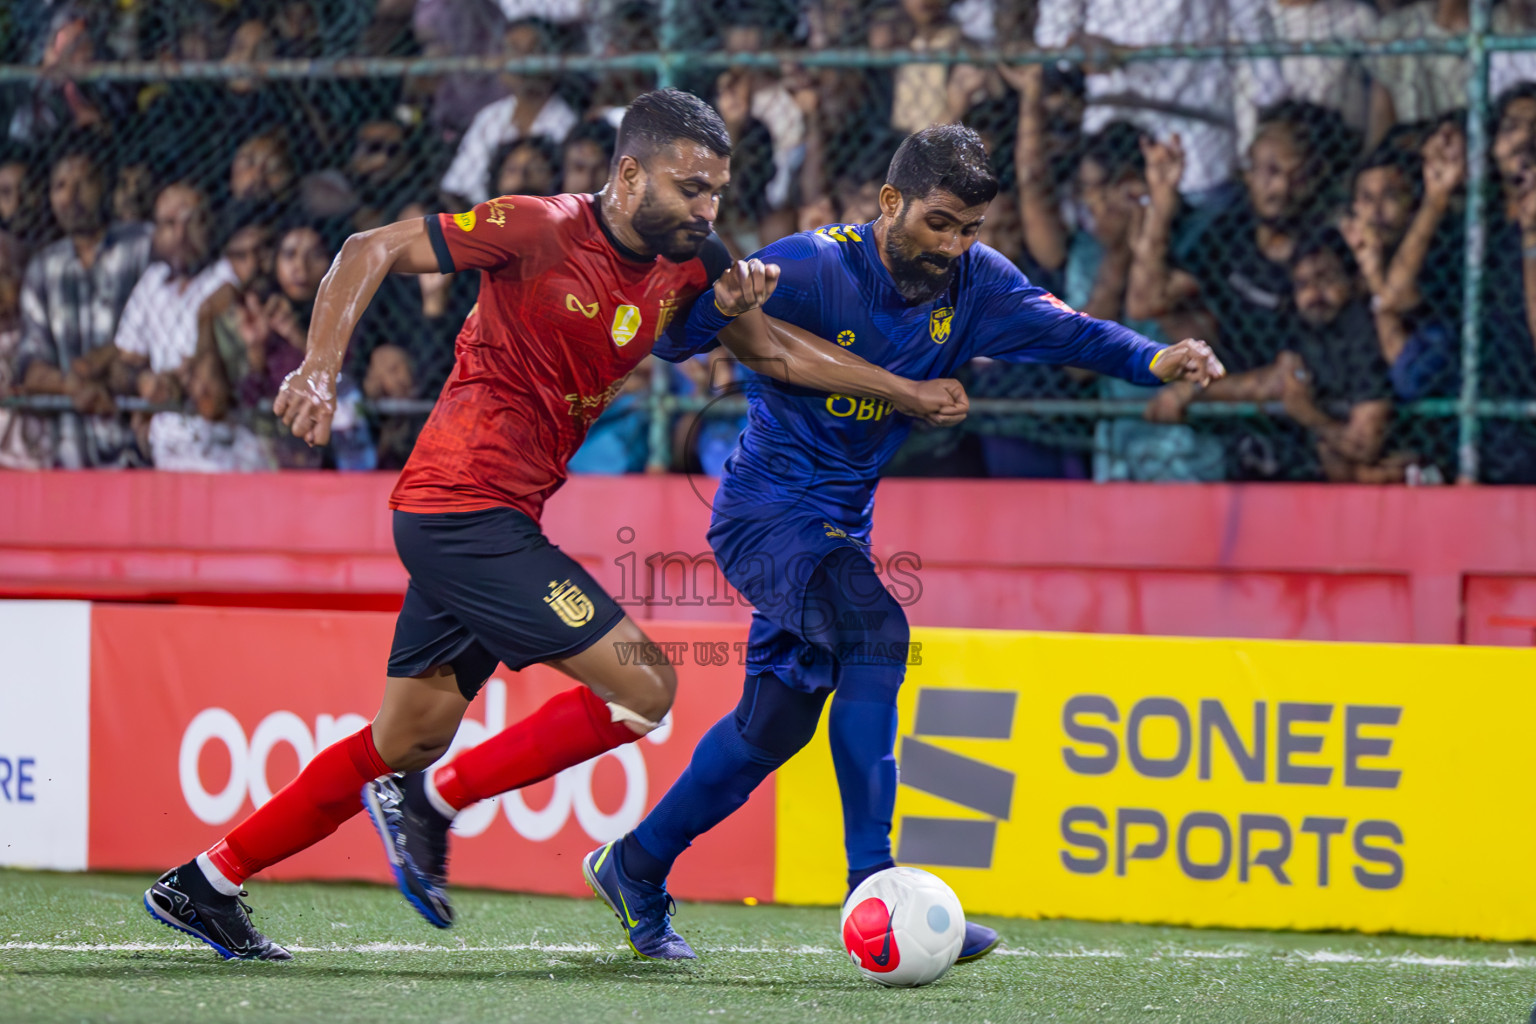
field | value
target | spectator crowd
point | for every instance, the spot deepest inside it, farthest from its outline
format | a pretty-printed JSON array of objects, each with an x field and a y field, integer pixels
[{"x": 164, "y": 239}]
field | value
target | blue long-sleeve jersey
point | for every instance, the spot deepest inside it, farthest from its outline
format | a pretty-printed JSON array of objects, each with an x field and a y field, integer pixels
[{"x": 826, "y": 451}]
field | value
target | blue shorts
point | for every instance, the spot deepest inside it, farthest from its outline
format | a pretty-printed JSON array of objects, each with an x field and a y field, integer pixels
[
  {"x": 489, "y": 587},
  {"x": 768, "y": 555}
]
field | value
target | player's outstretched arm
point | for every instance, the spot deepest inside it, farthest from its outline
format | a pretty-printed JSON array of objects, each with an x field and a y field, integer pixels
[
  {"x": 785, "y": 352},
  {"x": 307, "y": 400},
  {"x": 793, "y": 355}
]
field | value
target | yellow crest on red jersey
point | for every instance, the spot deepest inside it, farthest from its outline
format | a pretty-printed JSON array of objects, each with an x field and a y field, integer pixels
[
  {"x": 626, "y": 324},
  {"x": 465, "y": 220}
]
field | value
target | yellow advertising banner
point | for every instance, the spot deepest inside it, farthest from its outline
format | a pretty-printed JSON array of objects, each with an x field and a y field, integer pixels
[{"x": 1230, "y": 783}]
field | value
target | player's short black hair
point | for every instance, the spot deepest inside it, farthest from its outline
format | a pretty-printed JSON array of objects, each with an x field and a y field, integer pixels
[
  {"x": 944, "y": 158},
  {"x": 661, "y": 117}
]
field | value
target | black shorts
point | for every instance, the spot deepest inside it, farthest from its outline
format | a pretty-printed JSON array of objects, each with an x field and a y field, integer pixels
[{"x": 489, "y": 587}]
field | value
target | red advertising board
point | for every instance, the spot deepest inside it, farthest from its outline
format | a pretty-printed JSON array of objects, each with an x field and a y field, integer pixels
[{"x": 197, "y": 714}]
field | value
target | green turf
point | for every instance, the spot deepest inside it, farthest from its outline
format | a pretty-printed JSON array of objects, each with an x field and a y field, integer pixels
[{"x": 520, "y": 958}]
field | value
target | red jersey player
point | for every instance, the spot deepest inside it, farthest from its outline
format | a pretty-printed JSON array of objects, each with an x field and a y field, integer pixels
[{"x": 574, "y": 292}]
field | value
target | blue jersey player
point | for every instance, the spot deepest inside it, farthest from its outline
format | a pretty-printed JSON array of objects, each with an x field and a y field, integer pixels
[{"x": 913, "y": 293}]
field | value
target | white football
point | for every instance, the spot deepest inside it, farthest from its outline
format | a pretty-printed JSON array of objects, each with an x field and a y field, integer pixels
[{"x": 903, "y": 927}]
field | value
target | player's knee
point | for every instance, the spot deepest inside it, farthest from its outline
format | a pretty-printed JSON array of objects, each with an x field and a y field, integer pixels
[
  {"x": 410, "y": 751},
  {"x": 651, "y": 697},
  {"x": 778, "y": 719}
]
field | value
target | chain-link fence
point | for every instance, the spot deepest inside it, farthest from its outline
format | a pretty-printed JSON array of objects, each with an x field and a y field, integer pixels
[{"x": 1340, "y": 196}]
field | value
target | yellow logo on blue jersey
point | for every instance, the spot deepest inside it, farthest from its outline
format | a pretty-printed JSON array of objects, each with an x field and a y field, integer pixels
[
  {"x": 840, "y": 232},
  {"x": 848, "y": 407},
  {"x": 938, "y": 324},
  {"x": 845, "y": 338}
]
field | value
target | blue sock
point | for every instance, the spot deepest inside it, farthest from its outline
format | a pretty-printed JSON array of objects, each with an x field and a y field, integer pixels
[
  {"x": 863, "y": 732},
  {"x": 723, "y": 772},
  {"x": 734, "y": 757}
]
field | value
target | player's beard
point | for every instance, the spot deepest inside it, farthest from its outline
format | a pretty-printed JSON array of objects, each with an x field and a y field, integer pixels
[
  {"x": 920, "y": 276},
  {"x": 661, "y": 232}
]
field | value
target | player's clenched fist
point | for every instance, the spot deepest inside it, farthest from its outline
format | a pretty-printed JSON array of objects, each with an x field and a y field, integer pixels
[
  {"x": 942, "y": 403},
  {"x": 307, "y": 401},
  {"x": 745, "y": 286},
  {"x": 1188, "y": 360}
]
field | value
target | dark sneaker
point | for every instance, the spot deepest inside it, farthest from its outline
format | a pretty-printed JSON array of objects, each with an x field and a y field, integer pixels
[
  {"x": 643, "y": 908},
  {"x": 415, "y": 841},
  {"x": 184, "y": 900},
  {"x": 979, "y": 941}
]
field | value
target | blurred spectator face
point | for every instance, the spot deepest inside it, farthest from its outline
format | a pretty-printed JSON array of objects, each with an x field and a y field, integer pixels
[
  {"x": 1109, "y": 204},
  {"x": 584, "y": 167},
  {"x": 295, "y": 23},
  {"x": 260, "y": 170},
  {"x": 888, "y": 30},
  {"x": 249, "y": 252},
  {"x": 1276, "y": 176},
  {"x": 861, "y": 203},
  {"x": 389, "y": 374},
  {"x": 183, "y": 230},
  {"x": 13, "y": 177},
  {"x": 1063, "y": 104},
  {"x": 925, "y": 13},
  {"x": 1514, "y": 144},
  {"x": 743, "y": 39},
  {"x": 379, "y": 155},
  {"x": 12, "y": 264},
  {"x": 195, "y": 39},
  {"x": 75, "y": 194},
  {"x": 526, "y": 171},
  {"x": 1322, "y": 286},
  {"x": 251, "y": 42},
  {"x": 1384, "y": 199},
  {"x": 632, "y": 28},
  {"x": 1003, "y": 229},
  {"x": 522, "y": 41},
  {"x": 131, "y": 194},
  {"x": 302, "y": 261},
  {"x": 207, "y": 388}
]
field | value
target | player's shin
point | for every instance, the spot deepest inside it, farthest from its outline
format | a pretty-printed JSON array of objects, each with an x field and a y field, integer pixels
[
  {"x": 862, "y": 724},
  {"x": 302, "y": 813},
  {"x": 769, "y": 725}
]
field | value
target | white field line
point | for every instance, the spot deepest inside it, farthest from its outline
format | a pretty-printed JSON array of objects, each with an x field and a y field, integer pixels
[{"x": 1323, "y": 956}]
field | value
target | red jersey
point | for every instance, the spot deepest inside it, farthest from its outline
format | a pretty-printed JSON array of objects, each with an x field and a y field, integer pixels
[{"x": 565, "y": 313}]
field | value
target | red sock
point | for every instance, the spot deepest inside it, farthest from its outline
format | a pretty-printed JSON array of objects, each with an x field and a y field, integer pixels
[
  {"x": 570, "y": 728},
  {"x": 326, "y": 793}
]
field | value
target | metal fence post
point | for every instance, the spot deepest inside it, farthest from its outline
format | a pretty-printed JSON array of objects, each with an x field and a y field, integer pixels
[
  {"x": 659, "y": 438},
  {"x": 1477, "y": 195}
]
